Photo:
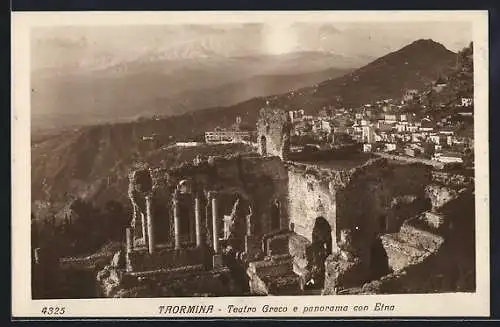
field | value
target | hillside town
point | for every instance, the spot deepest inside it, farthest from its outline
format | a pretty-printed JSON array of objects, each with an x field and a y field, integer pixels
[
  {"x": 387, "y": 126},
  {"x": 433, "y": 123}
]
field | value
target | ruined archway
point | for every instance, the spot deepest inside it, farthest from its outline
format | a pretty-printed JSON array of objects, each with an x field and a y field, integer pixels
[
  {"x": 140, "y": 191},
  {"x": 263, "y": 145},
  {"x": 321, "y": 248},
  {"x": 186, "y": 215},
  {"x": 236, "y": 211},
  {"x": 322, "y": 235},
  {"x": 379, "y": 261},
  {"x": 275, "y": 215},
  {"x": 184, "y": 197}
]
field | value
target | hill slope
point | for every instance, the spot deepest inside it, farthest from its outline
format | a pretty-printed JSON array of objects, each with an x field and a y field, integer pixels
[
  {"x": 417, "y": 66},
  {"x": 414, "y": 66},
  {"x": 147, "y": 87},
  {"x": 80, "y": 162}
]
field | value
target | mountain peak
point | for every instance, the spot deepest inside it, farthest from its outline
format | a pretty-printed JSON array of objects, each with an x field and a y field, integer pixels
[{"x": 426, "y": 44}]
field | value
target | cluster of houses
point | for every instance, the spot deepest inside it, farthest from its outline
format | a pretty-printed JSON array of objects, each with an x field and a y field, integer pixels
[{"x": 385, "y": 127}]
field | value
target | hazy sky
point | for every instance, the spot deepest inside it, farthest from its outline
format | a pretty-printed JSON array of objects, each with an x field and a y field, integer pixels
[{"x": 93, "y": 46}]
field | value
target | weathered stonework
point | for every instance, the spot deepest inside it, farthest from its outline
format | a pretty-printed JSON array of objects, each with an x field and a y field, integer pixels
[
  {"x": 440, "y": 194},
  {"x": 290, "y": 223},
  {"x": 274, "y": 275},
  {"x": 273, "y": 132},
  {"x": 309, "y": 199}
]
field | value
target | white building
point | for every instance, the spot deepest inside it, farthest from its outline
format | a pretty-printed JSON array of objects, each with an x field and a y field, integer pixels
[
  {"x": 390, "y": 147},
  {"x": 466, "y": 102},
  {"x": 367, "y": 147},
  {"x": 367, "y": 134},
  {"x": 410, "y": 94},
  {"x": 450, "y": 158},
  {"x": 402, "y": 127},
  {"x": 296, "y": 115},
  {"x": 416, "y": 137},
  {"x": 435, "y": 139},
  {"x": 227, "y": 137},
  {"x": 390, "y": 119},
  {"x": 412, "y": 128},
  {"x": 327, "y": 126}
]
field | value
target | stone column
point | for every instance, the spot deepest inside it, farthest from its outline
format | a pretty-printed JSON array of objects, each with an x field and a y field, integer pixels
[
  {"x": 197, "y": 217},
  {"x": 133, "y": 223},
  {"x": 150, "y": 224},
  {"x": 251, "y": 241},
  {"x": 144, "y": 228},
  {"x": 215, "y": 222},
  {"x": 130, "y": 244},
  {"x": 217, "y": 260},
  {"x": 248, "y": 221},
  {"x": 177, "y": 223},
  {"x": 335, "y": 247},
  {"x": 128, "y": 236}
]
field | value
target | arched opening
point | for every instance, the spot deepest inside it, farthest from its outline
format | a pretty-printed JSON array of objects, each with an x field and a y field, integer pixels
[
  {"x": 235, "y": 207},
  {"x": 186, "y": 212},
  {"x": 320, "y": 249},
  {"x": 186, "y": 215},
  {"x": 275, "y": 215},
  {"x": 263, "y": 145},
  {"x": 143, "y": 180},
  {"x": 379, "y": 261},
  {"x": 322, "y": 235}
]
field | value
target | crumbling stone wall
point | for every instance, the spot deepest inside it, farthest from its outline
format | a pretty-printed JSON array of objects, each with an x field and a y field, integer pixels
[
  {"x": 273, "y": 132},
  {"x": 260, "y": 181},
  {"x": 167, "y": 258},
  {"x": 180, "y": 282},
  {"x": 378, "y": 199},
  {"x": 453, "y": 179},
  {"x": 439, "y": 195},
  {"x": 364, "y": 202},
  {"x": 355, "y": 199},
  {"x": 309, "y": 199}
]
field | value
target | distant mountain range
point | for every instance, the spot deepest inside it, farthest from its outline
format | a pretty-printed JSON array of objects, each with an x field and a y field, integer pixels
[
  {"x": 79, "y": 161},
  {"x": 157, "y": 84},
  {"x": 415, "y": 66}
]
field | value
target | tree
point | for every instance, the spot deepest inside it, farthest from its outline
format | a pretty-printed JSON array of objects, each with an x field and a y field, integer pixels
[{"x": 115, "y": 220}]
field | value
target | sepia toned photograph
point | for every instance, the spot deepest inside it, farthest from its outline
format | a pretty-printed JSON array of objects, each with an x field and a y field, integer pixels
[{"x": 294, "y": 158}]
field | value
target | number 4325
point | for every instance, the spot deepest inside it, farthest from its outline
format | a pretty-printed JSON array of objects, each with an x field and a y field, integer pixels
[{"x": 53, "y": 310}]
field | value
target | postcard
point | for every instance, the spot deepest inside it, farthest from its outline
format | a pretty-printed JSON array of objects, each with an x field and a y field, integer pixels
[{"x": 250, "y": 164}]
